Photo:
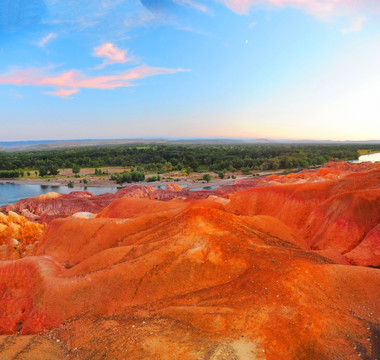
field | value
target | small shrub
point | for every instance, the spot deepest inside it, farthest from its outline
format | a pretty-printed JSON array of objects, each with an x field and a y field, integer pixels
[{"x": 206, "y": 177}]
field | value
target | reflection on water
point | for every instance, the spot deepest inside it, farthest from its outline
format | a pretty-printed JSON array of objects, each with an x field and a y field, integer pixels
[
  {"x": 204, "y": 188},
  {"x": 163, "y": 187},
  {"x": 365, "y": 158},
  {"x": 371, "y": 157},
  {"x": 10, "y": 193}
]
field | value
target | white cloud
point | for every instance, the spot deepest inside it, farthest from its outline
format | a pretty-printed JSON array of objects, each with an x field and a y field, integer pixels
[
  {"x": 43, "y": 42},
  {"x": 193, "y": 4},
  {"x": 355, "y": 26}
]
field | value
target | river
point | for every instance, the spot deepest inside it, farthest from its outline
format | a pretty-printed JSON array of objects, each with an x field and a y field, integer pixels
[
  {"x": 10, "y": 193},
  {"x": 370, "y": 157}
]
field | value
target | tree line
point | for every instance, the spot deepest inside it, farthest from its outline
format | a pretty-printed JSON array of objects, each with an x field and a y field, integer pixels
[
  {"x": 9, "y": 174},
  {"x": 186, "y": 158}
]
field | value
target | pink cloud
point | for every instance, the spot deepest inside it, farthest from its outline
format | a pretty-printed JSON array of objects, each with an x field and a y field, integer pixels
[
  {"x": 323, "y": 9},
  {"x": 65, "y": 93},
  {"x": 70, "y": 82},
  {"x": 112, "y": 54}
]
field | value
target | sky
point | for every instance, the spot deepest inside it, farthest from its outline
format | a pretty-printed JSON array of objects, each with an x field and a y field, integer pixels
[{"x": 113, "y": 69}]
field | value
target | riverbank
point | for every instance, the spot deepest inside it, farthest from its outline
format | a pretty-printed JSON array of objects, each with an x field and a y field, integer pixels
[
  {"x": 14, "y": 190},
  {"x": 111, "y": 183},
  {"x": 87, "y": 179}
]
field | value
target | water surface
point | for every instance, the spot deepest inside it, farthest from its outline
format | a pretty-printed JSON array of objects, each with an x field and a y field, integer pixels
[
  {"x": 10, "y": 193},
  {"x": 371, "y": 157}
]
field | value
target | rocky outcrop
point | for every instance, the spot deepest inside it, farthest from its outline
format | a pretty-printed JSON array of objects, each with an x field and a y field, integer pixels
[
  {"x": 45, "y": 208},
  {"x": 18, "y": 236},
  {"x": 367, "y": 253},
  {"x": 333, "y": 215},
  {"x": 342, "y": 221}
]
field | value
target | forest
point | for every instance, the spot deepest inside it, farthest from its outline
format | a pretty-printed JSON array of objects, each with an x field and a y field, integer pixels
[{"x": 187, "y": 158}]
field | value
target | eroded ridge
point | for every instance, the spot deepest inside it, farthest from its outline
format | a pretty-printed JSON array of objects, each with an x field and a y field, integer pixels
[{"x": 263, "y": 272}]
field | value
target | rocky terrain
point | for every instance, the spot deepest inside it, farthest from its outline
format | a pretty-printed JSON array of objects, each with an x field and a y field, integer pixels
[
  {"x": 278, "y": 267},
  {"x": 18, "y": 236}
]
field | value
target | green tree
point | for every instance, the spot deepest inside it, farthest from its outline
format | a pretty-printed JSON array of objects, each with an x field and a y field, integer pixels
[
  {"x": 76, "y": 169},
  {"x": 42, "y": 171},
  {"x": 53, "y": 169},
  {"x": 207, "y": 177}
]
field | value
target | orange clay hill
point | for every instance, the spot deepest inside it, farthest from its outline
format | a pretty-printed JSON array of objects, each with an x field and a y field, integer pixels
[{"x": 258, "y": 270}]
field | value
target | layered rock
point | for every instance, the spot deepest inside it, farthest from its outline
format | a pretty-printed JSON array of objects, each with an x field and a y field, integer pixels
[
  {"x": 237, "y": 282},
  {"x": 18, "y": 236},
  {"x": 47, "y": 207},
  {"x": 256, "y": 274},
  {"x": 367, "y": 253},
  {"x": 333, "y": 215}
]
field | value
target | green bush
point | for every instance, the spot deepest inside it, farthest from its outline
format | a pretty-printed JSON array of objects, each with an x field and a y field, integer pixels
[
  {"x": 206, "y": 177},
  {"x": 76, "y": 169},
  {"x": 153, "y": 178},
  {"x": 128, "y": 177},
  {"x": 10, "y": 174}
]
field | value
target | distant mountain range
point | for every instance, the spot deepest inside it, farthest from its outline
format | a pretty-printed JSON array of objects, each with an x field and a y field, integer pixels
[{"x": 58, "y": 144}]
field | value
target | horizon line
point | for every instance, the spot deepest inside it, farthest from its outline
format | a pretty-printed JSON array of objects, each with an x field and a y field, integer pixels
[{"x": 183, "y": 139}]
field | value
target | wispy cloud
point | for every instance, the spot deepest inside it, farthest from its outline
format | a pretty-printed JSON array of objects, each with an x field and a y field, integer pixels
[
  {"x": 64, "y": 93},
  {"x": 355, "y": 26},
  {"x": 70, "y": 82},
  {"x": 321, "y": 9},
  {"x": 113, "y": 19},
  {"x": 312, "y": 6},
  {"x": 100, "y": 19},
  {"x": 195, "y": 5},
  {"x": 15, "y": 95},
  {"x": 43, "y": 42},
  {"x": 112, "y": 55}
]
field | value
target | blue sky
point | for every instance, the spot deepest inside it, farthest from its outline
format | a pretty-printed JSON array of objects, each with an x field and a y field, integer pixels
[{"x": 290, "y": 69}]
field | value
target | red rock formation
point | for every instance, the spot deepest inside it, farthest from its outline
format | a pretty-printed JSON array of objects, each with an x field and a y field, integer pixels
[
  {"x": 240, "y": 275},
  {"x": 210, "y": 283},
  {"x": 18, "y": 236},
  {"x": 50, "y": 206},
  {"x": 291, "y": 204},
  {"x": 367, "y": 253},
  {"x": 342, "y": 221},
  {"x": 333, "y": 214},
  {"x": 126, "y": 208}
]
